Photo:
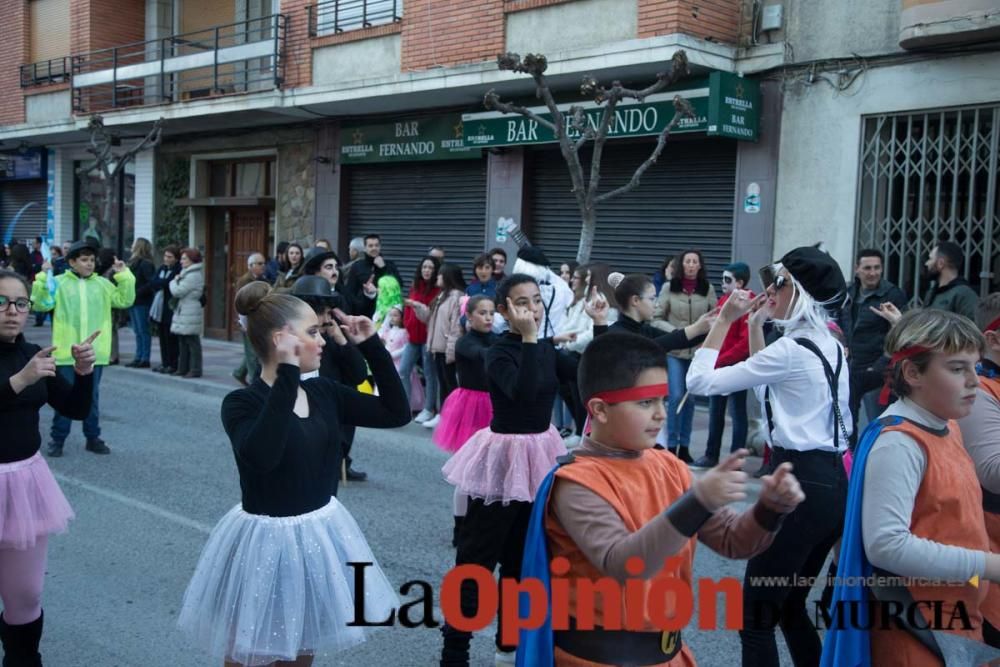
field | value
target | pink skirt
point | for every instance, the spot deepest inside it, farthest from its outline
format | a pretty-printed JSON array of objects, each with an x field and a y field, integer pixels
[
  {"x": 502, "y": 467},
  {"x": 464, "y": 412},
  {"x": 31, "y": 503}
]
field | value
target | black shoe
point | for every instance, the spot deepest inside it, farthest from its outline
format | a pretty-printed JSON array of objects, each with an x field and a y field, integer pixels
[
  {"x": 682, "y": 454},
  {"x": 55, "y": 450},
  {"x": 132, "y": 364},
  {"x": 114, "y": 362},
  {"x": 20, "y": 643},
  {"x": 141, "y": 364},
  {"x": 705, "y": 463},
  {"x": 158, "y": 369},
  {"x": 97, "y": 446},
  {"x": 168, "y": 370},
  {"x": 356, "y": 475}
]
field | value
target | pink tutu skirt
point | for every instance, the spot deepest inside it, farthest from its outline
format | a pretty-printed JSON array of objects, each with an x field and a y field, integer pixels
[
  {"x": 464, "y": 412},
  {"x": 31, "y": 503},
  {"x": 501, "y": 467}
]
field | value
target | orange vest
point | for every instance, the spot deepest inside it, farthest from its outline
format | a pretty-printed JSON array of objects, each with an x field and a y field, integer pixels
[
  {"x": 991, "y": 607},
  {"x": 948, "y": 509},
  {"x": 639, "y": 490}
]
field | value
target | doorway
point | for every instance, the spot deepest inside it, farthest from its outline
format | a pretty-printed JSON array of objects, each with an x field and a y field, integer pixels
[{"x": 234, "y": 234}]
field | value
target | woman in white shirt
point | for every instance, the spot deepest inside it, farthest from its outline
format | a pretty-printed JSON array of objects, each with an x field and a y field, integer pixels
[{"x": 805, "y": 372}]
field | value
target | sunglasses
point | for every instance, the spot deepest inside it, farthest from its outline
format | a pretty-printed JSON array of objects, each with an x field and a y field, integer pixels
[
  {"x": 768, "y": 277},
  {"x": 21, "y": 304}
]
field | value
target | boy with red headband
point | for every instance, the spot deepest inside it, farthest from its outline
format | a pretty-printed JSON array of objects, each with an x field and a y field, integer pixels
[
  {"x": 981, "y": 434},
  {"x": 583, "y": 516}
]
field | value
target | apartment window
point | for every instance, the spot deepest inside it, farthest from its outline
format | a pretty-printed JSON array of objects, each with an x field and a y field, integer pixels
[
  {"x": 926, "y": 177},
  {"x": 335, "y": 16},
  {"x": 242, "y": 178}
]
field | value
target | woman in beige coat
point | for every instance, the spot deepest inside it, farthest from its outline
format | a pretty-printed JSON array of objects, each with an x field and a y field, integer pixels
[
  {"x": 187, "y": 289},
  {"x": 687, "y": 297},
  {"x": 444, "y": 328}
]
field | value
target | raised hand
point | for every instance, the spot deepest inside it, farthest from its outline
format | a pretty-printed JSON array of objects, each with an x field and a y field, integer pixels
[
  {"x": 759, "y": 311},
  {"x": 887, "y": 311},
  {"x": 40, "y": 366},
  {"x": 597, "y": 307},
  {"x": 379, "y": 262},
  {"x": 118, "y": 266},
  {"x": 564, "y": 338},
  {"x": 522, "y": 320},
  {"x": 737, "y": 305},
  {"x": 780, "y": 491},
  {"x": 369, "y": 287},
  {"x": 84, "y": 355},
  {"x": 287, "y": 347},
  {"x": 357, "y": 328},
  {"x": 705, "y": 322},
  {"x": 723, "y": 484}
]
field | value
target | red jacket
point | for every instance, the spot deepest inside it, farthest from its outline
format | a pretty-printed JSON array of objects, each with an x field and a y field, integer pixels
[
  {"x": 416, "y": 329},
  {"x": 736, "y": 347}
]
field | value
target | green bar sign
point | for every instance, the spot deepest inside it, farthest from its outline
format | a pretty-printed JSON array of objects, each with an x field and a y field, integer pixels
[
  {"x": 405, "y": 140},
  {"x": 734, "y": 106},
  {"x": 631, "y": 120}
]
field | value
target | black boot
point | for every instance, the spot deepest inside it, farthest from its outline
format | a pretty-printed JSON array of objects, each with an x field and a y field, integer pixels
[
  {"x": 684, "y": 455},
  {"x": 20, "y": 643}
]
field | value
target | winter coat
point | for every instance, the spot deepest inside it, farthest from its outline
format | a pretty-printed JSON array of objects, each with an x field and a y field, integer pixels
[
  {"x": 866, "y": 331},
  {"x": 955, "y": 297},
  {"x": 144, "y": 271},
  {"x": 82, "y": 306},
  {"x": 444, "y": 326},
  {"x": 681, "y": 309},
  {"x": 416, "y": 328},
  {"x": 187, "y": 288}
]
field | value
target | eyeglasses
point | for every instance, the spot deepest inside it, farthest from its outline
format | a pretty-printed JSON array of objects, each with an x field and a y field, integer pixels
[{"x": 21, "y": 304}]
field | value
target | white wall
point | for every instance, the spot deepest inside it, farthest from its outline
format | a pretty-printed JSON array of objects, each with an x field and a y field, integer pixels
[
  {"x": 821, "y": 137},
  {"x": 145, "y": 194},
  {"x": 350, "y": 61},
  {"x": 572, "y": 25},
  {"x": 64, "y": 196}
]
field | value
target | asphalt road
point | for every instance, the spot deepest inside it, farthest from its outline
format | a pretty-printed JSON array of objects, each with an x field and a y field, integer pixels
[{"x": 116, "y": 579}]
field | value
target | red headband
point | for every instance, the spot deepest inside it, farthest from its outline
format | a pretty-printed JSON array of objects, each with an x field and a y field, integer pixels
[
  {"x": 632, "y": 393},
  {"x": 993, "y": 326},
  {"x": 905, "y": 353}
]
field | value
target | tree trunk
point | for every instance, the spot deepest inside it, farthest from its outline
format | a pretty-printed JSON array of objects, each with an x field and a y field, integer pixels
[{"x": 587, "y": 232}]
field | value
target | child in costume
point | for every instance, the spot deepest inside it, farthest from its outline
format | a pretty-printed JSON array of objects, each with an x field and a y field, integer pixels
[
  {"x": 981, "y": 435},
  {"x": 582, "y": 515},
  {"x": 500, "y": 468},
  {"x": 390, "y": 295},
  {"x": 273, "y": 582},
  {"x": 915, "y": 511}
]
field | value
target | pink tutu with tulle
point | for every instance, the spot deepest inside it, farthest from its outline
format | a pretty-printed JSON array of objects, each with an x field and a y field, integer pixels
[
  {"x": 464, "y": 412},
  {"x": 31, "y": 503},
  {"x": 501, "y": 467}
]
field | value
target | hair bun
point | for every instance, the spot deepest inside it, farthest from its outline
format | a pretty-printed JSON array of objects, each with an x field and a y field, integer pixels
[
  {"x": 615, "y": 279},
  {"x": 249, "y": 296}
]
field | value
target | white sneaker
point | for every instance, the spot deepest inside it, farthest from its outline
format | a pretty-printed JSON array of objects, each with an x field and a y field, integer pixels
[
  {"x": 424, "y": 415},
  {"x": 571, "y": 441},
  {"x": 432, "y": 422},
  {"x": 504, "y": 659}
]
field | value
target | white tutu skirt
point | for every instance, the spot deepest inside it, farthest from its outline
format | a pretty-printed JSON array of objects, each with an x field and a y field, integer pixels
[{"x": 273, "y": 588}]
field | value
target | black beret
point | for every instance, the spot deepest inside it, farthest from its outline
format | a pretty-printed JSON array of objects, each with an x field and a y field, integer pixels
[
  {"x": 533, "y": 255},
  {"x": 88, "y": 243},
  {"x": 818, "y": 274}
]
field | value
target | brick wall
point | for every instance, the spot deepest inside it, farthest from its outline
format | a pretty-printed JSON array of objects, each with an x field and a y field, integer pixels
[
  {"x": 451, "y": 33},
  {"x": 298, "y": 49},
  {"x": 13, "y": 52},
  {"x": 716, "y": 20},
  {"x": 116, "y": 22}
]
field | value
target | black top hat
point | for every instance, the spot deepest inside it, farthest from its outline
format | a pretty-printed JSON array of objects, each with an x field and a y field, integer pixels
[
  {"x": 818, "y": 274},
  {"x": 314, "y": 259},
  {"x": 86, "y": 244},
  {"x": 533, "y": 255},
  {"x": 313, "y": 287}
]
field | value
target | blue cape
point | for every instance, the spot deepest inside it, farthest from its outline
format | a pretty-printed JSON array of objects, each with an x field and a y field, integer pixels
[
  {"x": 536, "y": 648},
  {"x": 847, "y": 646}
]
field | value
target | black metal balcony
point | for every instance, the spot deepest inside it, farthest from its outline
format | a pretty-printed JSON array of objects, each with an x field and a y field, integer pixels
[
  {"x": 335, "y": 16},
  {"x": 247, "y": 56},
  {"x": 56, "y": 70}
]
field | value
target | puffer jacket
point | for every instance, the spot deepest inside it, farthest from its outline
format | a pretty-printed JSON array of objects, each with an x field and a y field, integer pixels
[
  {"x": 680, "y": 309},
  {"x": 444, "y": 326},
  {"x": 187, "y": 288}
]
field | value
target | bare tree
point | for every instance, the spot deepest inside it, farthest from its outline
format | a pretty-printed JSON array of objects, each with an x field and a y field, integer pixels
[
  {"x": 111, "y": 162},
  {"x": 585, "y": 187}
]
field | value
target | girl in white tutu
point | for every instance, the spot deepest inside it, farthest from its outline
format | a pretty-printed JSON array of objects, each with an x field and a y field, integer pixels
[
  {"x": 500, "y": 467},
  {"x": 272, "y": 585},
  {"x": 31, "y": 505}
]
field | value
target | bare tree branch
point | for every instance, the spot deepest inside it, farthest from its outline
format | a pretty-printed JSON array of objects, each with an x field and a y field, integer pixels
[
  {"x": 492, "y": 101},
  {"x": 682, "y": 109}
]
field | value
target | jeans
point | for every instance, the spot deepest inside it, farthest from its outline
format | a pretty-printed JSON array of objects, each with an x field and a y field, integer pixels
[
  {"x": 92, "y": 424},
  {"x": 190, "y": 355},
  {"x": 737, "y": 402},
  {"x": 799, "y": 550},
  {"x": 411, "y": 354},
  {"x": 679, "y": 425},
  {"x": 139, "y": 321}
]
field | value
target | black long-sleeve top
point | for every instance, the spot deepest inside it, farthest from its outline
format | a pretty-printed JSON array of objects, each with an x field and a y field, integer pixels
[
  {"x": 19, "y": 412},
  {"x": 470, "y": 360},
  {"x": 669, "y": 341},
  {"x": 343, "y": 363},
  {"x": 289, "y": 464},
  {"x": 523, "y": 379},
  {"x": 160, "y": 282},
  {"x": 144, "y": 272}
]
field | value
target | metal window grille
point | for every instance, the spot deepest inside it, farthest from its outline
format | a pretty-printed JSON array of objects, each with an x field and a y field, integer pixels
[
  {"x": 927, "y": 177},
  {"x": 331, "y": 17}
]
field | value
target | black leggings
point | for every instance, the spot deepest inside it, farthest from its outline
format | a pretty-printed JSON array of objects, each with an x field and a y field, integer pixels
[
  {"x": 446, "y": 375},
  {"x": 799, "y": 550},
  {"x": 490, "y": 535}
]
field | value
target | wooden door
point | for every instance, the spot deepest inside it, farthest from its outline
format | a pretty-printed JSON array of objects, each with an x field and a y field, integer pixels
[{"x": 247, "y": 235}]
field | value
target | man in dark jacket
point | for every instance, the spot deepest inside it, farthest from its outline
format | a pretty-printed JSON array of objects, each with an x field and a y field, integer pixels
[
  {"x": 950, "y": 292},
  {"x": 867, "y": 330},
  {"x": 359, "y": 288}
]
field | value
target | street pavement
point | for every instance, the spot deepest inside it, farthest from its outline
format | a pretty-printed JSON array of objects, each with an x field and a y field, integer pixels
[{"x": 115, "y": 580}]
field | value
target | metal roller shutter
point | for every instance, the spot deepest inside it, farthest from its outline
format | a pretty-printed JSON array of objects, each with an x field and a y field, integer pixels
[
  {"x": 413, "y": 206},
  {"x": 684, "y": 201},
  {"x": 14, "y": 196}
]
